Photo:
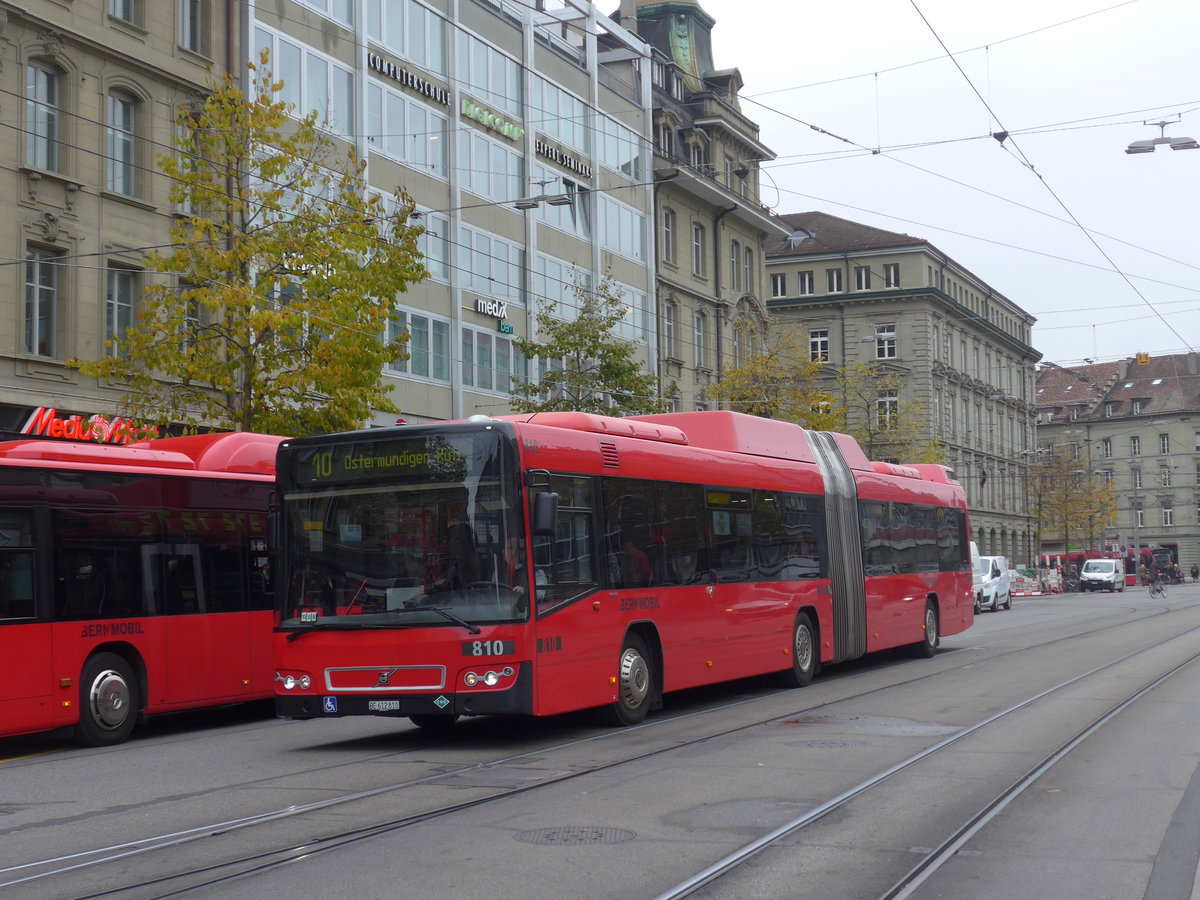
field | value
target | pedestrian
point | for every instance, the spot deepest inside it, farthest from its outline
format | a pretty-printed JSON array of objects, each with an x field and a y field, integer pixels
[
  {"x": 1195, "y": 573},
  {"x": 1143, "y": 574}
]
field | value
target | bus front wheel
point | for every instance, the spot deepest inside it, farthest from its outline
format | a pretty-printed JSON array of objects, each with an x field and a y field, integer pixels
[
  {"x": 804, "y": 654},
  {"x": 108, "y": 692},
  {"x": 635, "y": 684}
]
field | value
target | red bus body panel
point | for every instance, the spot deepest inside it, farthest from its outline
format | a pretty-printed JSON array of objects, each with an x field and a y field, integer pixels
[{"x": 181, "y": 661}]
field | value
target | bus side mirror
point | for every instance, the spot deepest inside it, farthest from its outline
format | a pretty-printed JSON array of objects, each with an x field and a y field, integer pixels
[{"x": 545, "y": 513}]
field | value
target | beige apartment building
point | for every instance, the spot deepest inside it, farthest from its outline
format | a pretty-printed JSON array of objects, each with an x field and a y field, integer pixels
[
  {"x": 863, "y": 294},
  {"x": 91, "y": 91},
  {"x": 713, "y": 230}
]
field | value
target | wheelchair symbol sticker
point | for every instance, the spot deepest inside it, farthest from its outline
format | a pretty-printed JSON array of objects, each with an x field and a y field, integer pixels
[{"x": 331, "y": 704}]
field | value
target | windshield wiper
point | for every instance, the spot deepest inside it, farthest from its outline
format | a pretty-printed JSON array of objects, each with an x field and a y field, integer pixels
[
  {"x": 331, "y": 626},
  {"x": 446, "y": 614}
]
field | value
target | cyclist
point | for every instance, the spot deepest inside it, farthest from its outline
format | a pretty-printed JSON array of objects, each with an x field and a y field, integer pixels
[{"x": 1158, "y": 583}]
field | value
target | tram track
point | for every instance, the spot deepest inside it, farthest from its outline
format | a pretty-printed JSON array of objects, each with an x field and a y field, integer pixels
[{"x": 250, "y": 864}]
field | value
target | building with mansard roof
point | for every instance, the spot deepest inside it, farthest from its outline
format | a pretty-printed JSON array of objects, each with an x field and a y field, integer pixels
[
  {"x": 860, "y": 294},
  {"x": 1135, "y": 424}
]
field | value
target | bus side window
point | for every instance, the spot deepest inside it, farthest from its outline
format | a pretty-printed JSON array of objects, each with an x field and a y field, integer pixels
[{"x": 16, "y": 566}]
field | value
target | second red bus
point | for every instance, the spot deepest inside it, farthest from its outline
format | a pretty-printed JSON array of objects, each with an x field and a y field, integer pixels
[{"x": 545, "y": 563}]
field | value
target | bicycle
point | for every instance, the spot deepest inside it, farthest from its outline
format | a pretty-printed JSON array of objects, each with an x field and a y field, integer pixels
[{"x": 1158, "y": 588}]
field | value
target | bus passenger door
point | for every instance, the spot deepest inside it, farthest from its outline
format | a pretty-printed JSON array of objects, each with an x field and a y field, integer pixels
[
  {"x": 25, "y": 702},
  {"x": 207, "y": 654}
]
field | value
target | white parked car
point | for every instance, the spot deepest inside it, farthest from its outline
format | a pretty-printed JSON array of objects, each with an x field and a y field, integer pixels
[
  {"x": 995, "y": 586},
  {"x": 1102, "y": 574}
]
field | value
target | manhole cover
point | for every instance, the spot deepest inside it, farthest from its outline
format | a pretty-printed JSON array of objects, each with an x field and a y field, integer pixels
[{"x": 575, "y": 835}]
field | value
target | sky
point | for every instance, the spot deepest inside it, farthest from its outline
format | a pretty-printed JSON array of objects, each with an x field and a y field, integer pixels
[{"x": 1100, "y": 246}]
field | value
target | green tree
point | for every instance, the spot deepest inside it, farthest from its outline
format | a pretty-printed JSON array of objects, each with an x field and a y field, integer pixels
[
  {"x": 777, "y": 379},
  {"x": 887, "y": 422},
  {"x": 584, "y": 366},
  {"x": 1071, "y": 502},
  {"x": 280, "y": 281}
]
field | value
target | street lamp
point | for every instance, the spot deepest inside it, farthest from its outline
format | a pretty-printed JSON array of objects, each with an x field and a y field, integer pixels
[
  {"x": 550, "y": 199},
  {"x": 1175, "y": 143}
]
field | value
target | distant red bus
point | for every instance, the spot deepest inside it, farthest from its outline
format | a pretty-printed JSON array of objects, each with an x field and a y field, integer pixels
[
  {"x": 545, "y": 563},
  {"x": 134, "y": 580}
]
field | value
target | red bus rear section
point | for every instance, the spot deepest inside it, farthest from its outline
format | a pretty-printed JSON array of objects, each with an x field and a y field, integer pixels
[
  {"x": 134, "y": 580},
  {"x": 546, "y": 563}
]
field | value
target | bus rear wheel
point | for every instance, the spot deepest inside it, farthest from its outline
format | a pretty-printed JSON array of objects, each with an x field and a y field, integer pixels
[
  {"x": 108, "y": 692},
  {"x": 635, "y": 684},
  {"x": 804, "y": 654},
  {"x": 927, "y": 646}
]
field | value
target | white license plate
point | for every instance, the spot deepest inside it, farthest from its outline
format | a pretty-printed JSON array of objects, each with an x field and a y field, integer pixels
[{"x": 383, "y": 705}]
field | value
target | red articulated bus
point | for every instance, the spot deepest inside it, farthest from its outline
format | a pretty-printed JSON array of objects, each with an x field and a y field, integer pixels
[
  {"x": 134, "y": 580},
  {"x": 550, "y": 562}
]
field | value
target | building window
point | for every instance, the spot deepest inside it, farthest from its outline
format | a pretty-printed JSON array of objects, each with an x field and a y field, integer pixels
[
  {"x": 1139, "y": 518},
  {"x": 670, "y": 315},
  {"x": 42, "y": 99},
  {"x": 193, "y": 25},
  {"x": 891, "y": 275},
  {"x": 428, "y": 345},
  {"x": 41, "y": 302},
  {"x": 748, "y": 270},
  {"x": 735, "y": 265},
  {"x": 804, "y": 283},
  {"x": 1136, "y": 407},
  {"x": 833, "y": 281},
  {"x": 818, "y": 344},
  {"x": 1106, "y": 448},
  {"x": 1164, "y": 443},
  {"x": 668, "y": 235},
  {"x": 491, "y": 362},
  {"x": 862, "y": 278},
  {"x": 1137, "y": 479},
  {"x": 1076, "y": 450},
  {"x": 1168, "y": 517},
  {"x": 885, "y": 341},
  {"x": 1109, "y": 410},
  {"x": 118, "y": 308},
  {"x": 122, "y": 146},
  {"x": 1164, "y": 476},
  {"x": 698, "y": 266},
  {"x": 123, "y": 9},
  {"x": 887, "y": 407},
  {"x": 1135, "y": 446},
  {"x": 700, "y": 327},
  {"x": 779, "y": 289}
]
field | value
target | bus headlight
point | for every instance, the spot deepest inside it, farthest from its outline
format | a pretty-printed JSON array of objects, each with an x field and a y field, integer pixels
[
  {"x": 471, "y": 679},
  {"x": 491, "y": 679},
  {"x": 290, "y": 682}
]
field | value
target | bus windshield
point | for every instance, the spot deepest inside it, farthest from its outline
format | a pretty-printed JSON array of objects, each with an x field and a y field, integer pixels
[{"x": 403, "y": 531}]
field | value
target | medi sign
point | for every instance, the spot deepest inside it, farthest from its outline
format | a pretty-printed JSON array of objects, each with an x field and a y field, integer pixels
[{"x": 46, "y": 422}]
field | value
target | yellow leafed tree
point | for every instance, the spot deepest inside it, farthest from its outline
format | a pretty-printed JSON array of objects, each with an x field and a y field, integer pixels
[{"x": 270, "y": 311}]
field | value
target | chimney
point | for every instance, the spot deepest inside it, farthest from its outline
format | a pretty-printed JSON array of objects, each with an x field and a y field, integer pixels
[{"x": 628, "y": 17}]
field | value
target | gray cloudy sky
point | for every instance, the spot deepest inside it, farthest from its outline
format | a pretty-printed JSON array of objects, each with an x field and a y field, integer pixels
[{"x": 1072, "y": 81}]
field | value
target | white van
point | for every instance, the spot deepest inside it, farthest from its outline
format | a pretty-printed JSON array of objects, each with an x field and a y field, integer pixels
[
  {"x": 976, "y": 577},
  {"x": 994, "y": 590},
  {"x": 1102, "y": 574}
]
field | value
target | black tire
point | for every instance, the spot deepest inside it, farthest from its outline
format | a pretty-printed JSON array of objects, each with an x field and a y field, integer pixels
[
  {"x": 636, "y": 683},
  {"x": 109, "y": 700},
  {"x": 978, "y": 604},
  {"x": 433, "y": 723},
  {"x": 927, "y": 646},
  {"x": 805, "y": 654},
  {"x": 1008, "y": 601}
]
